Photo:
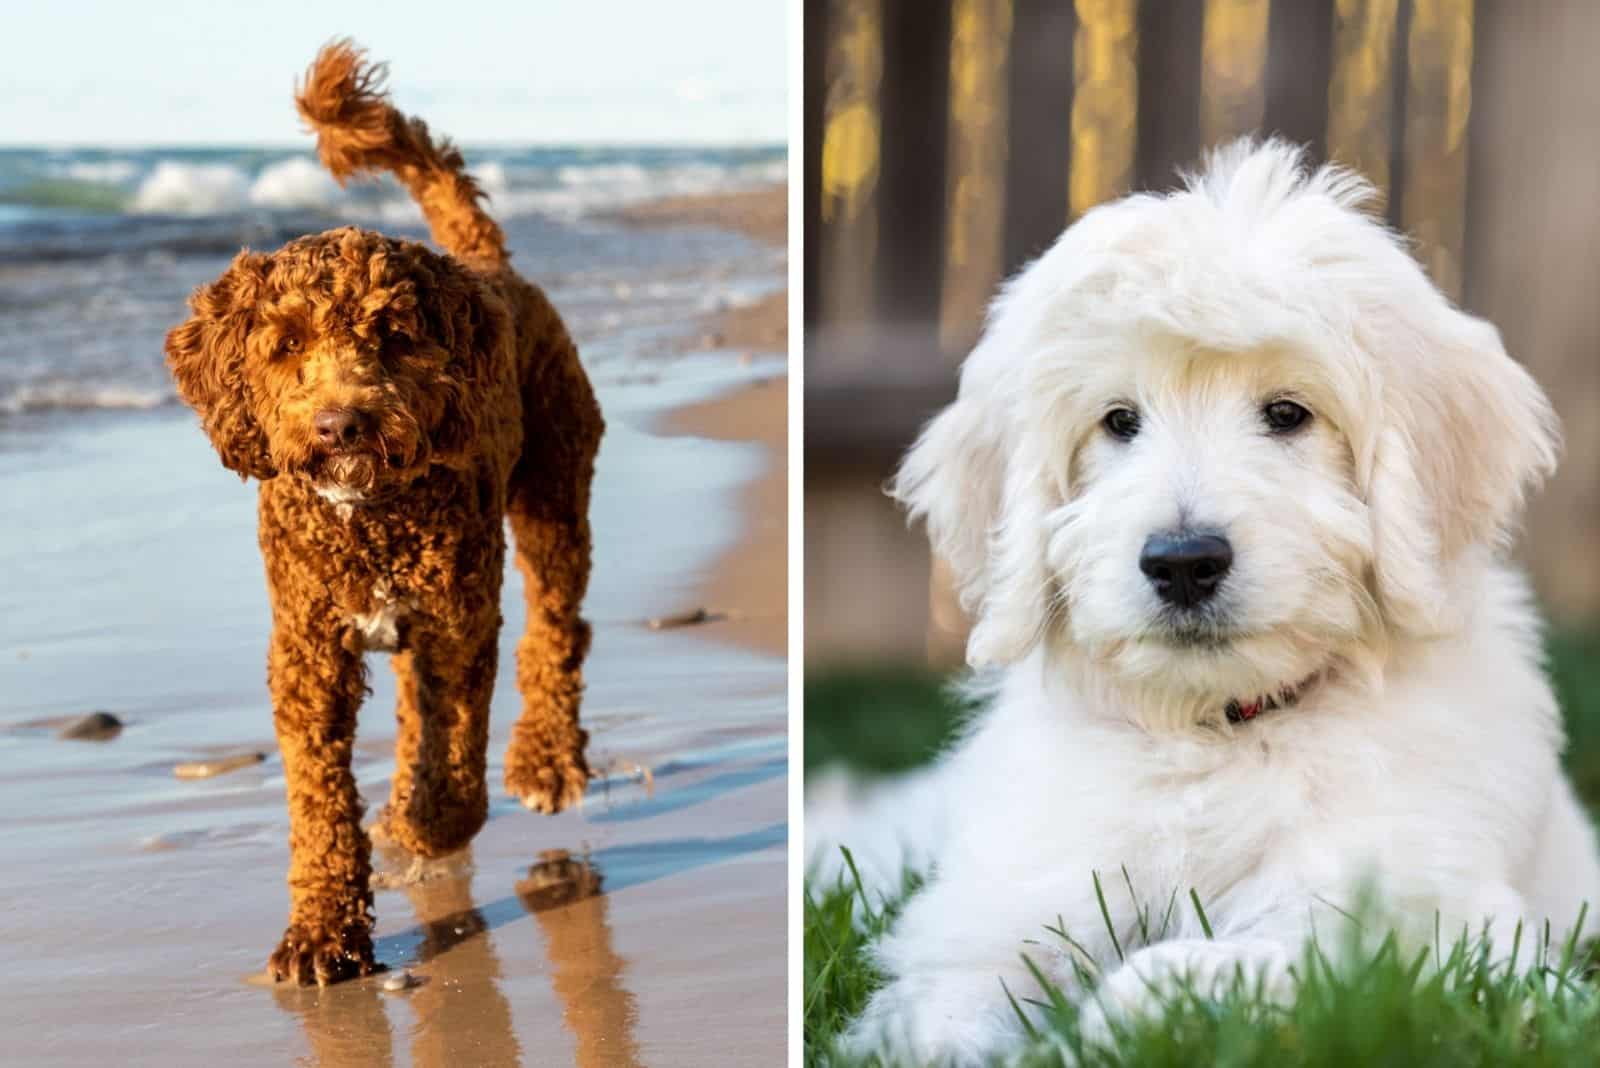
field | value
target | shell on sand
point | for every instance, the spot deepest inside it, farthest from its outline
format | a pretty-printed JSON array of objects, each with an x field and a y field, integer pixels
[{"x": 401, "y": 980}]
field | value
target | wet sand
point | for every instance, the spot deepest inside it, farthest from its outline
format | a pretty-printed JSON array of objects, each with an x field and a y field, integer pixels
[
  {"x": 749, "y": 585},
  {"x": 646, "y": 928}
]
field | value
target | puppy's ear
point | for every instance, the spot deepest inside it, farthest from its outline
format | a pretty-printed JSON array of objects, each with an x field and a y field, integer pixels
[
  {"x": 207, "y": 358},
  {"x": 1466, "y": 433},
  {"x": 963, "y": 479}
]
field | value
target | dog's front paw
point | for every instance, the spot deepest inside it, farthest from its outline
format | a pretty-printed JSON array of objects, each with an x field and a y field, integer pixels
[
  {"x": 1156, "y": 975},
  {"x": 309, "y": 954},
  {"x": 547, "y": 785},
  {"x": 952, "y": 1019}
]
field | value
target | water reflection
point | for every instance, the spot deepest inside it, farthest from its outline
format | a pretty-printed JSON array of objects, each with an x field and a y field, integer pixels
[
  {"x": 459, "y": 1014},
  {"x": 344, "y": 1025},
  {"x": 564, "y": 895}
]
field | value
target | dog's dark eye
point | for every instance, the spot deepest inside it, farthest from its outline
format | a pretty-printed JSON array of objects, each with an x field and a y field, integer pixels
[
  {"x": 1121, "y": 423},
  {"x": 289, "y": 346},
  {"x": 1285, "y": 417}
]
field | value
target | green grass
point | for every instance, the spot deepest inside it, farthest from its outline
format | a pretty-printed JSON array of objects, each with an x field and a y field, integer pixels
[{"x": 1377, "y": 1006}]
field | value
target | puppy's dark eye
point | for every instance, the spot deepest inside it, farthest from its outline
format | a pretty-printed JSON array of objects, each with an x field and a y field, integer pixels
[
  {"x": 1285, "y": 416},
  {"x": 1121, "y": 423},
  {"x": 289, "y": 346}
]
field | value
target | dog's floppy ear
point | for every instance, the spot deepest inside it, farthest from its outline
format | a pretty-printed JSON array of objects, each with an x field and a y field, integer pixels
[
  {"x": 207, "y": 355},
  {"x": 1465, "y": 433},
  {"x": 964, "y": 480}
]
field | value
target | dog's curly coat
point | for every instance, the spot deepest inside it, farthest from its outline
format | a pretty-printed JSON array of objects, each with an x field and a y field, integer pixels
[{"x": 397, "y": 405}]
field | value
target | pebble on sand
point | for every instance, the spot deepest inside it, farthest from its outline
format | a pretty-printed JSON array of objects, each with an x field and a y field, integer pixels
[
  {"x": 683, "y": 619},
  {"x": 400, "y": 981},
  {"x": 205, "y": 769},
  {"x": 95, "y": 727}
]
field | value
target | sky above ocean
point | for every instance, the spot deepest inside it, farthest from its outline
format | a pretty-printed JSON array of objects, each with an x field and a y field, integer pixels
[{"x": 182, "y": 72}]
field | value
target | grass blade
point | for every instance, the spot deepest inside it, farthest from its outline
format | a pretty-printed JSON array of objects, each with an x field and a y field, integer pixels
[
  {"x": 1105, "y": 914},
  {"x": 1200, "y": 911}
]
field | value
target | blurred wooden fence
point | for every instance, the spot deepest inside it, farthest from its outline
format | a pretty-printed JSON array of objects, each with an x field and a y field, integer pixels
[{"x": 950, "y": 141}]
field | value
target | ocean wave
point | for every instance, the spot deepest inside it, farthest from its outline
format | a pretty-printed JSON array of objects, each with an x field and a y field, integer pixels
[
  {"x": 562, "y": 183},
  {"x": 608, "y": 173},
  {"x": 293, "y": 184},
  {"x": 296, "y": 183},
  {"x": 101, "y": 171},
  {"x": 174, "y": 188},
  {"x": 64, "y": 395}
]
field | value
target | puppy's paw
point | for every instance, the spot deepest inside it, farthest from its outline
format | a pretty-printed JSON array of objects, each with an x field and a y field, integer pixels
[
  {"x": 547, "y": 785},
  {"x": 309, "y": 954},
  {"x": 952, "y": 1019},
  {"x": 1155, "y": 975}
]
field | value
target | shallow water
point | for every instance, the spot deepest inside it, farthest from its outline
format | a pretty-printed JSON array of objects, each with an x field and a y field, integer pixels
[{"x": 647, "y": 927}]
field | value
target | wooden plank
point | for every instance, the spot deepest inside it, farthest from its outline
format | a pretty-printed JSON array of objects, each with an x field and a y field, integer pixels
[
  {"x": 1438, "y": 106},
  {"x": 1169, "y": 91},
  {"x": 1233, "y": 60},
  {"x": 1360, "y": 95},
  {"x": 1039, "y": 93},
  {"x": 911, "y": 197},
  {"x": 814, "y": 90},
  {"x": 851, "y": 153},
  {"x": 1299, "y": 68},
  {"x": 1105, "y": 103},
  {"x": 975, "y": 170}
]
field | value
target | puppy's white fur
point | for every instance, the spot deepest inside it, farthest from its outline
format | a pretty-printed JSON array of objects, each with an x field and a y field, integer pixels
[{"x": 1421, "y": 758}]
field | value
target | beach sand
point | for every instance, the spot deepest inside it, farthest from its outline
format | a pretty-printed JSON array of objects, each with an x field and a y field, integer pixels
[
  {"x": 646, "y": 928},
  {"x": 749, "y": 585}
]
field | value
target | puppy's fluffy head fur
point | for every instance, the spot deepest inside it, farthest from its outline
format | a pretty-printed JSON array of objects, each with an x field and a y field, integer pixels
[
  {"x": 350, "y": 320},
  {"x": 1258, "y": 282}
]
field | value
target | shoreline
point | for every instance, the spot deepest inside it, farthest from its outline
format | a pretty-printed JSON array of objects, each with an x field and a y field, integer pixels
[{"x": 748, "y": 583}]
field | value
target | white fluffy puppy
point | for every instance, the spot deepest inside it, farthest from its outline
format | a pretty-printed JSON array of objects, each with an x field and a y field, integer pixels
[{"x": 1226, "y": 487}]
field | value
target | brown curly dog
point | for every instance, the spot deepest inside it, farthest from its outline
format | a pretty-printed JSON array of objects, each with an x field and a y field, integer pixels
[{"x": 396, "y": 405}]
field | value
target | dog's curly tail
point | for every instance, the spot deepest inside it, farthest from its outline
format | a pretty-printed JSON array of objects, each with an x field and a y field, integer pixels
[{"x": 344, "y": 101}]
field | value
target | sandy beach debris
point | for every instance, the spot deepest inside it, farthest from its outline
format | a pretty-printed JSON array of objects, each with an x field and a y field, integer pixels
[
  {"x": 418, "y": 870},
  {"x": 691, "y": 618},
  {"x": 399, "y": 981},
  {"x": 205, "y": 769},
  {"x": 94, "y": 727}
]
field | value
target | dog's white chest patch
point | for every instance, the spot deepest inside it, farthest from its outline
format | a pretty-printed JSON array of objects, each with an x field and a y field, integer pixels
[{"x": 380, "y": 628}]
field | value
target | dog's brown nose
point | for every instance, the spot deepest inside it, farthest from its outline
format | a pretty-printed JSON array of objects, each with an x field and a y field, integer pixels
[{"x": 340, "y": 428}]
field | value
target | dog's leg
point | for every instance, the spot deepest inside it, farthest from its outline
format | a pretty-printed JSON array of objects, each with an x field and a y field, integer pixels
[
  {"x": 317, "y": 683},
  {"x": 549, "y": 514},
  {"x": 438, "y": 799},
  {"x": 545, "y": 764}
]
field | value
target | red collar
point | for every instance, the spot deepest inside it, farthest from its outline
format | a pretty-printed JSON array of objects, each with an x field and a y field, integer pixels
[{"x": 1243, "y": 711}]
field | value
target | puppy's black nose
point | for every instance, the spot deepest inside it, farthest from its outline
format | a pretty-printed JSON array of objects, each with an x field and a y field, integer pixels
[
  {"x": 1186, "y": 569},
  {"x": 340, "y": 427}
]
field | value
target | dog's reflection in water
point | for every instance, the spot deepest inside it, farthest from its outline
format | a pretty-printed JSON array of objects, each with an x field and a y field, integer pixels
[
  {"x": 563, "y": 893},
  {"x": 458, "y": 1014}
]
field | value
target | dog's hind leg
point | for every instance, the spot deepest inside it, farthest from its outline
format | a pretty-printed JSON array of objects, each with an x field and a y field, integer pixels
[{"x": 549, "y": 514}]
